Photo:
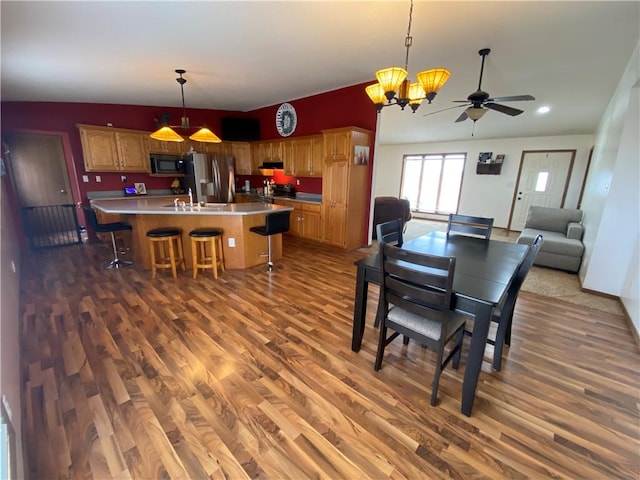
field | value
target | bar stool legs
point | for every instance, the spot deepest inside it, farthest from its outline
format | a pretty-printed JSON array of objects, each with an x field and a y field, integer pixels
[
  {"x": 171, "y": 240},
  {"x": 200, "y": 238}
]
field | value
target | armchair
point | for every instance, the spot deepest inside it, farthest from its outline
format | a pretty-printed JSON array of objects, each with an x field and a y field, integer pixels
[
  {"x": 386, "y": 209},
  {"x": 562, "y": 231}
]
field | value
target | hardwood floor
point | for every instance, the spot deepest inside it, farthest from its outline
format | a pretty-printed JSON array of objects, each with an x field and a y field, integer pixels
[{"x": 252, "y": 376}]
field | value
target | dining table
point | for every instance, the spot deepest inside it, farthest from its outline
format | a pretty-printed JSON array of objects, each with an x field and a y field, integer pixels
[{"x": 483, "y": 274}]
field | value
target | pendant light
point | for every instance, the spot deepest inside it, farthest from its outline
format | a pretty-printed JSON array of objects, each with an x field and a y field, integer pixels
[
  {"x": 393, "y": 87},
  {"x": 167, "y": 134}
]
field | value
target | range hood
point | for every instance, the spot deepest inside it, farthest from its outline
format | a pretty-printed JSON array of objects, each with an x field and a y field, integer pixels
[{"x": 267, "y": 168}]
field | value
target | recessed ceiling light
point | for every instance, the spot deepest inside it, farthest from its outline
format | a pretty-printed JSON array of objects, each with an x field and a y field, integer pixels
[{"x": 544, "y": 109}]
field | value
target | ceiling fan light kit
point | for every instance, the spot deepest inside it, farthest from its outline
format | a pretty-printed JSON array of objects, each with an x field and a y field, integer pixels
[
  {"x": 394, "y": 88},
  {"x": 166, "y": 132}
]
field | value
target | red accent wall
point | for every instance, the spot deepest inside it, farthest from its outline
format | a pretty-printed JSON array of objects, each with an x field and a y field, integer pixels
[{"x": 349, "y": 106}]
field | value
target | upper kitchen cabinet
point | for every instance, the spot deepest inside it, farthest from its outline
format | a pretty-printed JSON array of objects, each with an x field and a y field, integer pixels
[
  {"x": 241, "y": 151},
  {"x": 337, "y": 143},
  {"x": 317, "y": 156},
  {"x": 345, "y": 188},
  {"x": 297, "y": 161},
  {"x": 173, "y": 148},
  {"x": 107, "y": 149}
]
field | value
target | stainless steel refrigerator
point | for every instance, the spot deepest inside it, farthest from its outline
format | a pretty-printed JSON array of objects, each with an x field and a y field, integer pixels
[{"x": 210, "y": 177}]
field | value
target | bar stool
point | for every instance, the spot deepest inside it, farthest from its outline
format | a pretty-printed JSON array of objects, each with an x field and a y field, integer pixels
[
  {"x": 92, "y": 219},
  {"x": 200, "y": 237},
  {"x": 274, "y": 223},
  {"x": 171, "y": 239}
]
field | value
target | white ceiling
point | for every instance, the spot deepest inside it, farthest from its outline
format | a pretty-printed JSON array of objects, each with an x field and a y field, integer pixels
[{"x": 245, "y": 55}]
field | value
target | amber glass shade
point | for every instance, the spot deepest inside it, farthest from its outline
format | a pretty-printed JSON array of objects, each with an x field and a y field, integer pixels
[
  {"x": 166, "y": 134},
  {"x": 205, "y": 135},
  {"x": 433, "y": 80},
  {"x": 391, "y": 78},
  {"x": 376, "y": 93},
  {"x": 416, "y": 95}
]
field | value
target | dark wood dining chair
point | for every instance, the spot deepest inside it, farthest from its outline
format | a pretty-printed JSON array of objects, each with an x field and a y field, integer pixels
[
  {"x": 415, "y": 292},
  {"x": 471, "y": 226},
  {"x": 388, "y": 232},
  {"x": 503, "y": 314}
]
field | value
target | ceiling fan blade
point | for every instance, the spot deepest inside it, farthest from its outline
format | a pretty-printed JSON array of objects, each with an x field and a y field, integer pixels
[
  {"x": 513, "y": 98},
  {"x": 463, "y": 116},
  {"x": 503, "y": 109},
  {"x": 445, "y": 109},
  {"x": 460, "y": 101}
]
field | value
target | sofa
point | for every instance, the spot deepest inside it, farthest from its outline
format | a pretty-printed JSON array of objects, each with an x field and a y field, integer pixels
[
  {"x": 390, "y": 208},
  {"x": 561, "y": 230}
]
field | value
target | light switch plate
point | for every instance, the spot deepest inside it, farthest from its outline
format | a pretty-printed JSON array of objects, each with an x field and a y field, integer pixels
[
  {"x": 85, "y": 178},
  {"x": 98, "y": 178}
]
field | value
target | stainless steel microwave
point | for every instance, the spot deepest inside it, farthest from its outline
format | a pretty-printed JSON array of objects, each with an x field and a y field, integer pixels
[{"x": 166, "y": 164}]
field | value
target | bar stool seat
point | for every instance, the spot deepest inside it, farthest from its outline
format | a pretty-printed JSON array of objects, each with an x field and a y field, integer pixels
[
  {"x": 171, "y": 239},
  {"x": 200, "y": 237}
]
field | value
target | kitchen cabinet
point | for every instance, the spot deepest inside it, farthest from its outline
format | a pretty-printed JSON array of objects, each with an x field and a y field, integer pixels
[
  {"x": 317, "y": 156},
  {"x": 173, "y": 148},
  {"x": 303, "y": 156},
  {"x": 107, "y": 149},
  {"x": 298, "y": 161},
  {"x": 241, "y": 151},
  {"x": 310, "y": 225},
  {"x": 304, "y": 220},
  {"x": 337, "y": 143},
  {"x": 344, "y": 188}
]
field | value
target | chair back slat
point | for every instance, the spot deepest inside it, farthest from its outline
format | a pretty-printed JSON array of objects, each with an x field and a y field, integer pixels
[
  {"x": 468, "y": 225},
  {"x": 390, "y": 232}
]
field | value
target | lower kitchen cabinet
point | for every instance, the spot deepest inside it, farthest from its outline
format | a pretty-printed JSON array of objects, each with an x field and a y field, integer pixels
[
  {"x": 304, "y": 220},
  {"x": 310, "y": 221}
]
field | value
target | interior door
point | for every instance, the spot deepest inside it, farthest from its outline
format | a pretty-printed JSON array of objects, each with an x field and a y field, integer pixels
[
  {"x": 542, "y": 181},
  {"x": 42, "y": 186}
]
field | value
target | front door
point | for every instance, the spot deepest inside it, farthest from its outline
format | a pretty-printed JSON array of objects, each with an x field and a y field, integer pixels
[
  {"x": 542, "y": 181},
  {"x": 42, "y": 186}
]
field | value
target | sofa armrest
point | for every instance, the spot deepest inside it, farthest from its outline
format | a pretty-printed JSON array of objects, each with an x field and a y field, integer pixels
[{"x": 575, "y": 230}]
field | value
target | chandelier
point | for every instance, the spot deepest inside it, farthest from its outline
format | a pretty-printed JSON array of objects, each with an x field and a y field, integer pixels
[
  {"x": 394, "y": 88},
  {"x": 167, "y": 134}
]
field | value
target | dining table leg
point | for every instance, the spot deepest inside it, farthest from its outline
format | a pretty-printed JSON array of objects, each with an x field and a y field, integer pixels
[
  {"x": 359, "y": 309},
  {"x": 475, "y": 356}
]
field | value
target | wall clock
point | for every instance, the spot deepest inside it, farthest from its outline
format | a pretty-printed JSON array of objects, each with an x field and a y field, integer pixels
[{"x": 286, "y": 119}]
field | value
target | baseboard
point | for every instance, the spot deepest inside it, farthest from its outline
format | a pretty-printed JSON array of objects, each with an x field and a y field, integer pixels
[{"x": 627, "y": 317}]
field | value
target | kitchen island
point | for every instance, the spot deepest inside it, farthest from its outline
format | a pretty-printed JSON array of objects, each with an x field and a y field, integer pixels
[{"x": 242, "y": 248}]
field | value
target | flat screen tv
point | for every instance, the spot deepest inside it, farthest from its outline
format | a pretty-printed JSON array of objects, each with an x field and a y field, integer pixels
[{"x": 240, "y": 129}]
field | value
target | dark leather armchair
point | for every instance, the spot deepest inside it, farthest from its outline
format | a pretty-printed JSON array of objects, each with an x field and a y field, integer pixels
[{"x": 386, "y": 209}]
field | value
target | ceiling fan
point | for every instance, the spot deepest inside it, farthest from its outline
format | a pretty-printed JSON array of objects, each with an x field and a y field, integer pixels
[{"x": 480, "y": 101}]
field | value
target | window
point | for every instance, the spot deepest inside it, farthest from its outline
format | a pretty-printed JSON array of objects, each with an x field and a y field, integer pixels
[{"x": 432, "y": 183}]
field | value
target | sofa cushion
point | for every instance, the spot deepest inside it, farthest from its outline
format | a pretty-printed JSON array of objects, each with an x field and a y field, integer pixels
[
  {"x": 553, "y": 242},
  {"x": 552, "y": 219}
]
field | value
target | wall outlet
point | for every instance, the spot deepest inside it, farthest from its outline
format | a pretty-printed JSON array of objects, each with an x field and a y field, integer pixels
[
  {"x": 85, "y": 178},
  {"x": 297, "y": 181},
  {"x": 98, "y": 178},
  {"x": 232, "y": 242},
  {"x": 123, "y": 178}
]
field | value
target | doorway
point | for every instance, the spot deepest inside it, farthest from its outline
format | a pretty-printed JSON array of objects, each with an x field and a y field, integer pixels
[
  {"x": 543, "y": 181},
  {"x": 38, "y": 168}
]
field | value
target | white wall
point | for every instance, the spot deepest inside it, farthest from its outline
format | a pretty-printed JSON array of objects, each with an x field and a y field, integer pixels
[
  {"x": 484, "y": 195},
  {"x": 611, "y": 201}
]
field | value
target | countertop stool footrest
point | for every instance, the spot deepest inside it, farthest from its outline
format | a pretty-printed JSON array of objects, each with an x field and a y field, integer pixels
[
  {"x": 168, "y": 243},
  {"x": 214, "y": 258}
]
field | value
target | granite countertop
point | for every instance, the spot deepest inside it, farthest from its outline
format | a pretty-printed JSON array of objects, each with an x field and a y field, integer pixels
[{"x": 158, "y": 206}]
